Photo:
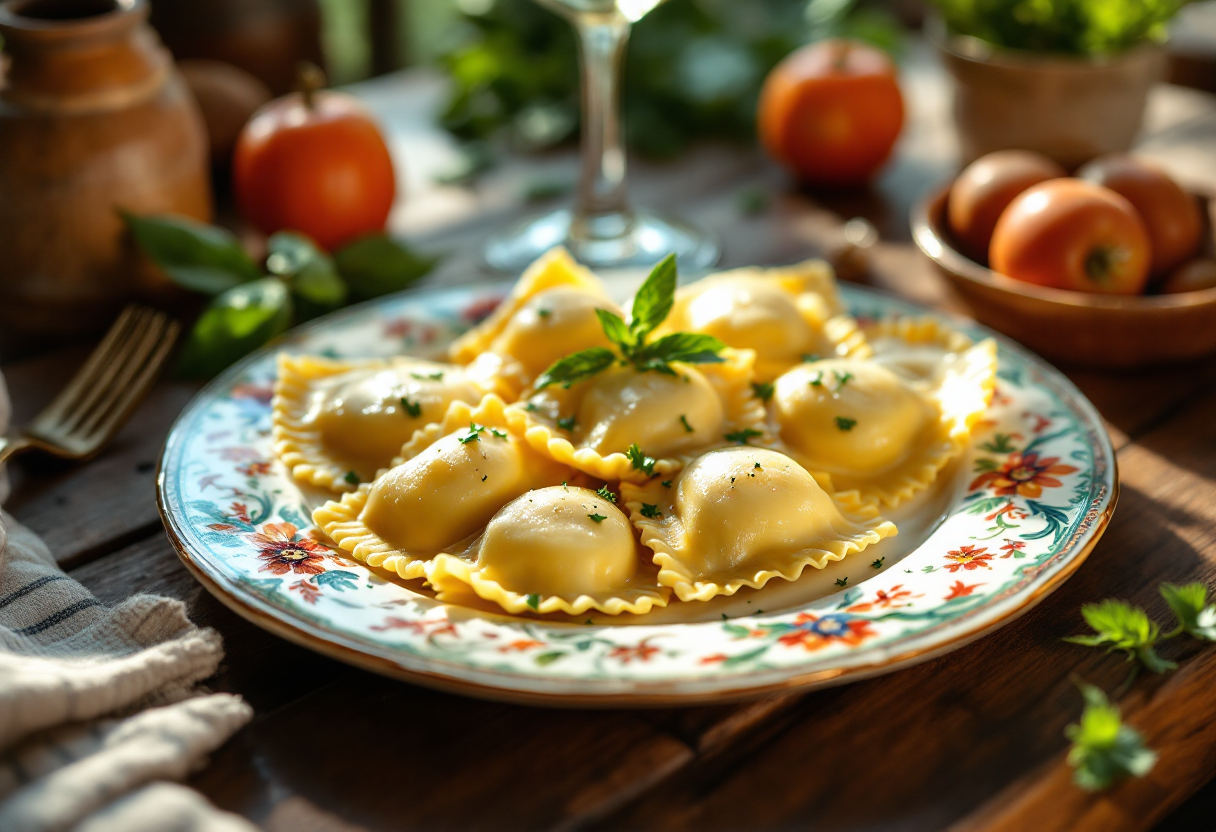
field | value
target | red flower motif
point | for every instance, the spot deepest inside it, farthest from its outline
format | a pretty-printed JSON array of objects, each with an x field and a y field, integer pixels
[
  {"x": 814, "y": 632},
  {"x": 262, "y": 393},
  {"x": 1011, "y": 546},
  {"x": 1009, "y": 508},
  {"x": 961, "y": 590},
  {"x": 283, "y": 552},
  {"x": 427, "y": 627},
  {"x": 238, "y": 454},
  {"x": 255, "y": 469},
  {"x": 640, "y": 651},
  {"x": 1023, "y": 474},
  {"x": 714, "y": 658},
  {"x": 520, "y": 645},
  {"x": 969, "y": 558},
  {"x": 480, "y": 309},
  {"x": 240, "y": 511},
  {"x": 310, "y": 592},
  {"x": 884, "y": 599},
  {"x": 398, "y": 328},
  {"x": 1040, "y": 422}
]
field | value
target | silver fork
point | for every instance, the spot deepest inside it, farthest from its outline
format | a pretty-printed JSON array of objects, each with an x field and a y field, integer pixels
[{"x": 103, "y": 393}]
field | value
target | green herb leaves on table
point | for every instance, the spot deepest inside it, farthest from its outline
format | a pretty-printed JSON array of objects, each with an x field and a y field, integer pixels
[
  {"x": 1104, "y": 750},
  {"x": 249, "y": 305},
  {"x": 1120, "y": 627},
  {"x": 651, "y": 305}
]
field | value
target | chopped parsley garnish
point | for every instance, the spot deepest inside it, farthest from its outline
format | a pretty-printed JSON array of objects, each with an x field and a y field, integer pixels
[
  {"x": 566, "y": 423},
  {"x": 435, "y": 376},
  {"x": 351, "y": 477},
  {"x": 501, "y": 434},
  {"x": 817, "y": 379},
  {"x": 566, "y": 484},
  {"x": 531, "y": 407},
  {"x": 757, "y": 465},
  {"x": 845, "y": 424},
  {"x": 650, "y": 307},
  {"x": 606, "y": 494},
  {"x": 842, "y": 378},
  {"x": 534, "y": 601},
  {"x": 878, "y": 563},
  {"x": 684, "y": 421},
  {"x": 599, "y": 518},
  {"x": 474, "y": 435},
  {"x": 651, "y": 511},
  {"x": 639, "y": 460},
  {"x": 763, "y": 390},
  {"x": 414, "y": 409},
  {"x": 842, "y": 581},
  {"x": 742, "y": 437},
  {"x": 809, "y": 357},
  {"x": 544, "y": 313},
  {"x": 666, "y": 483}
]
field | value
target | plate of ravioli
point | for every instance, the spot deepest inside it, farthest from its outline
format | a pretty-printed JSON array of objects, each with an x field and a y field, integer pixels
[{"x": 604, "y": 491}]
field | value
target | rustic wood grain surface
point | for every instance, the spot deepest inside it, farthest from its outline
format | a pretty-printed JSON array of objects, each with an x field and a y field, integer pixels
[{"x": 972, "y": 740}]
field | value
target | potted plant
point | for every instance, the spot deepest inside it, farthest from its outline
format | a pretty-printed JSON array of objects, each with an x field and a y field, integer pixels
[{"x": 1066, "y": 78}]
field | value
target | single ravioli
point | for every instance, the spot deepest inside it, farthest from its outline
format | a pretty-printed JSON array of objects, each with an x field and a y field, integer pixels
[
  {"x": 549, "y": 314},
  {"x": 883, "y": 429},
  {"x": 669, "y": 418},
  {"x": 740, "y": 517},
  {"x": 338, "y": 422},
  {"x": 557, "y": 549},
  {"x": 783, "y": 314},
  {"x": 438, "y": 495}
]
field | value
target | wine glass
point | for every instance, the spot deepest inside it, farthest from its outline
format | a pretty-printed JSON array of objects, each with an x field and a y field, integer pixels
[{"x": 601, "y": 230}]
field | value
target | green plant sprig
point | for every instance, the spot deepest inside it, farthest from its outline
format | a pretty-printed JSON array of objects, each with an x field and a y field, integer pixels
[
  {"x": 1104, "y": 749},
  {"x": 650, "y": 308},
  {"x": 250, "y": 305}
]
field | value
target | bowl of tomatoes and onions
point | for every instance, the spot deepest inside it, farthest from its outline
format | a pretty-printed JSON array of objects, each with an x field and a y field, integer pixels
[{"x": 1112, "y": 266}]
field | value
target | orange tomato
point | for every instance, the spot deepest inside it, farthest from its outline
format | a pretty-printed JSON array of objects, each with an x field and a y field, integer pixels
[
  {"x": 314, "y": 162},
  {"x": 984, "y": 190},
  {"x": 1170, "y": 214},
  {"x": 831, "y": 112},
  {"x": 1072, "y": 234}
]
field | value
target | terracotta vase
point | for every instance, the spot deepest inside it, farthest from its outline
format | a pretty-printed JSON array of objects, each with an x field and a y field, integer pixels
[
  {"x": 1071, "y": 109},
  {"x": 93, "y": 121}
]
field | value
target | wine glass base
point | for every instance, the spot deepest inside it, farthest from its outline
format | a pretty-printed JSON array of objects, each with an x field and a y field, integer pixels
[{"x": 641, "y": 239}]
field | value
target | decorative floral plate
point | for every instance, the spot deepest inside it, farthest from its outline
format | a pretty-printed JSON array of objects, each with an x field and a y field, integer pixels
[{"x": 1003, "y": 528}]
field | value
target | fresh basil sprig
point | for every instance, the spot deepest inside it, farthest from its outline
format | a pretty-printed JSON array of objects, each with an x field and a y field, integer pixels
[
  {"x": 248, "y": 307},
  {"x": 651, "y": 306},
  {"x": 1104, "y": 749}
]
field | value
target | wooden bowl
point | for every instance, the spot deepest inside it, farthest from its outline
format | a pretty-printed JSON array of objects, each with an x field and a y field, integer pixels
[{"x": 1107, "y": 331}]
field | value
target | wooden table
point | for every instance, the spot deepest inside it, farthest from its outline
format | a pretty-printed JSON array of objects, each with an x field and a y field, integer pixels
[{"x": 974, "y": 738}]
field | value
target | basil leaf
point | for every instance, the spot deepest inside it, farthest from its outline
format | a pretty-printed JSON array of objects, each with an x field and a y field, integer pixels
[
  {"x": 576, "y": 367},
  {"x": 617, "y": 330},
  {"x": 689, "y": 347},
  {"x": 234, "y": 324},
  {"x": 377, "y": 265},
  {"x": 309, "y": 272},
  {"x": 653, "y": 301},
  {"x": 199, "y": 257}
]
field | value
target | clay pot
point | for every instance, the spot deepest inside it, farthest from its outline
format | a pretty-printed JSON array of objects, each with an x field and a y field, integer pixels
[
  {"x": 93, "y": 120},
  {"x": 1069, "y": 109}
]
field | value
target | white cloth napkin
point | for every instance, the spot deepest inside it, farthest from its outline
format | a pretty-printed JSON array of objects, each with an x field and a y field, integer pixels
[{"x": 99, "y": 705}]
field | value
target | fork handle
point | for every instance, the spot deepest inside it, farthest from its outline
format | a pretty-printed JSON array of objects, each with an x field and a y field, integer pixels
[{"x": 12, "y": 445}]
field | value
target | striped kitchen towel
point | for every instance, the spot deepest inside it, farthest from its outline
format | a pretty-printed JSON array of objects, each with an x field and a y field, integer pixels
[{"x": 99, "y": 705}]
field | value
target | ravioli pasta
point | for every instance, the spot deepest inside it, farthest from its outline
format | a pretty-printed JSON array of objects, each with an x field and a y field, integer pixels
[
  {"x": 740, "y": 517},
  {"x": 634, "y": 477},
  {"x": 782, "y": 314},
  {"x": 336, "y": 423}
]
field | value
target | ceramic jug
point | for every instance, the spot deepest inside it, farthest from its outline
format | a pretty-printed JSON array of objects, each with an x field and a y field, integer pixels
[{"x": 94, "y": 120}]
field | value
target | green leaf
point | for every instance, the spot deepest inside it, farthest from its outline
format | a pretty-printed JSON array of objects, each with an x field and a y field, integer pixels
[
  {"x": 377, "y": 264},
  {"x": 689, "y": 347},
  {"x": 234, "y": 324},
  {"x": 763, "y": 390},
  {"x": 1189, "y": 605},
  {"x": 639, "y": 461},
  {"x": 548, "y": 658},
  {"x": 1104, "y": 750},
  {"x": 1122, "y": 627},
  {"x": 653, "y": 301},
  {"x": 617, "y": 331},
  {"x": 199, "y": 257},
  {"x": 743, "y": 437},
  {"x": 576, "y": 367},
  {"x": 308, "y": 271}
]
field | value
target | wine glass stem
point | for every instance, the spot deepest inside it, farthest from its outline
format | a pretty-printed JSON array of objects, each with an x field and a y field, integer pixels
[{"x": 601, "y": 191}]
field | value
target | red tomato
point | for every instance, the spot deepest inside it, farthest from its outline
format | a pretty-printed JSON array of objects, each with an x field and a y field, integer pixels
[
  {"x": 984, "y": 190},
  {"x": 314, "y": 162},
  {"x": 1170, "y": 214},
  {"x": 831, "y": 112},
  {"x": 1072, "y": 234}
]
